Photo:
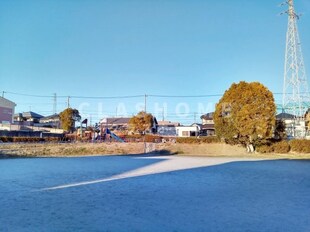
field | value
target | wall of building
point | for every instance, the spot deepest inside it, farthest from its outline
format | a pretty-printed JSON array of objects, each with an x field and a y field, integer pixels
[
  {"x": 14, "y": 127},
  {"x": 6, "y": 114},
  {"x": 6, "y": 110},
  {"x": 187, "y": 131}
]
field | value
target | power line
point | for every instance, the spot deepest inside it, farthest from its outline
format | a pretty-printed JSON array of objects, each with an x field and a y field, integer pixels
[
  {"x": 76, "y": 96},
  {"x": 29, "y": 95},
  {"x": 123, "y": 97},
  {"x": 186, "y": 96}
]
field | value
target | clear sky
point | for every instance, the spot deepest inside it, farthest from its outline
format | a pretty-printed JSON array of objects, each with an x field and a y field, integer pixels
[{"x": 106, "y": 48}]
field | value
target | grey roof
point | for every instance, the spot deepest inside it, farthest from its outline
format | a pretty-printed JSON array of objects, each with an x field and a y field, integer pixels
[
  {"x": 208, "y": 116},
  {"x": 119, "y": 121},
  {"x": 31, "y": 114},
  {"x": 53, "y": 116},
  {"x": 115, "y": 120},
  {"x": 285, "y": 116}
]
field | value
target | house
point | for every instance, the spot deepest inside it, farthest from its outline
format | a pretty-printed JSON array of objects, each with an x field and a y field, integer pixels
[
  {"x": 198, "y": 125},
  {"x": 122, "y": 124},
  {"x": 118, "y": 124},
  {"x": 207, "y": 127},
  {"x": 52, "y": 121},
  {"x": 30, "y": 117},
  {"x": 295, "y": 127},
  {"x": 207, "y": 118},
  {"x": 187, "y": 131},
  {"x": 7, "y": 109},
  {"x": 167, "y": 128}
]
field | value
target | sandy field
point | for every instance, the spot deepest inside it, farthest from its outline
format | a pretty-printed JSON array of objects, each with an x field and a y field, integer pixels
[{"x": 90, "y": 149}]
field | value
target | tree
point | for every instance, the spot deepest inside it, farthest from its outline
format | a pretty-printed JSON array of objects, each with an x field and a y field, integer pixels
[
  {"x": 68, "y": 117},
  {"x": 142, "y": 122},
  {"x": 279, "y": 131},
  {"x": 245, "y": 114},
  {"x": 307, "y": 117}
]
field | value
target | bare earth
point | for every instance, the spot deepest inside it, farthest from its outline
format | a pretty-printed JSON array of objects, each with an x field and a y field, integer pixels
[{"x": 90, "y": 149}]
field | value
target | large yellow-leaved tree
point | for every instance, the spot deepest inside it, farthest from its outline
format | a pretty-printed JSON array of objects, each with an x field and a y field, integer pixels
[
  {"x": 245, "y": 114},
  {"x": 141, "y": 123}
]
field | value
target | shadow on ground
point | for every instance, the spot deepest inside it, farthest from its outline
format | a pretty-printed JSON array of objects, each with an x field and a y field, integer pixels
[{"x": 271, "y": 195}]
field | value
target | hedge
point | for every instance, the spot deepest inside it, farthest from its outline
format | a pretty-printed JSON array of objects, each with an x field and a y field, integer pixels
[
  {"x": 296, "y": 145},
  {"x": 28, "y": 139},
  {"x": 198, "y": 140},
  {"x": 281, "y": 147},
  {"x": 300, "y": 145}
]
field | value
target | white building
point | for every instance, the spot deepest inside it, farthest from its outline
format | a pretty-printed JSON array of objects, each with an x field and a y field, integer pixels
[
  {"x": 187, "y": 131},
  {"x": 294, "y": 127}
]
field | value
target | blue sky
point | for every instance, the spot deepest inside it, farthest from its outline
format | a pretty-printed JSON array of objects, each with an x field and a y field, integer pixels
[{"x": 136, "y": 47}]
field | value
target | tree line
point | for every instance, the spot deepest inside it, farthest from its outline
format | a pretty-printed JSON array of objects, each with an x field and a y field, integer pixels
[{"x": 246, "y": 114}]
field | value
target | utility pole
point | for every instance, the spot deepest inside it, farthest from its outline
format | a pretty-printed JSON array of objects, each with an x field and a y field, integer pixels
[
  {"x": 55, "y": 104},
  {"x": 68, "y": 102},
  {"x": 144, "y": 142},
  {"x": 163, "y": 114},
  {"x": 296, "y": 96},
  {"x": 145, "y": 97}
]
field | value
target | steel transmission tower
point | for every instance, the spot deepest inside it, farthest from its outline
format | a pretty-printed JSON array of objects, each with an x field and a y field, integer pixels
[{"x": 296, "y": 96}]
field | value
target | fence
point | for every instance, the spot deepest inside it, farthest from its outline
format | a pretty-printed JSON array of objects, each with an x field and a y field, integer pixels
[{"x": 37, "y": 134}]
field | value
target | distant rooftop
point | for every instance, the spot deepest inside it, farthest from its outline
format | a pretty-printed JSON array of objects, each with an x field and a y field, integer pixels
[
  {"x": 168, "y": 123},
  {"x": 29, "y": 114},
  {"x": 208, "y": 116},
  {"x": 120, "y": 120},
  {"x": 285, "y": 116}
]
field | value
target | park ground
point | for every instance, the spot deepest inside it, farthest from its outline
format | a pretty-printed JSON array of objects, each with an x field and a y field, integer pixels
[
  {"x": 154, "y": 193},
  {"x": 90, "y": 149}
]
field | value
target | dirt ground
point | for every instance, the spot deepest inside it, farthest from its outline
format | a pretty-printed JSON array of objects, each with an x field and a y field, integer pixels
[{"x": 90, "y": 149}]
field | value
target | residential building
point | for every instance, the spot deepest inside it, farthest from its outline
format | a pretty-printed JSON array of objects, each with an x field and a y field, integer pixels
[
  {"x": 167, "y": 128},
  {"x": 118, "y": 124},
  {"x": 294, "y": 127},
  {"x": 187, "y": 131},
  {"x": 122, "y": 125},
  {"x": 7, "y": 109},
  {"x": 30, "y": 117},
  {"x": 52, "y": 121},
  {"x": 207, "y": 127}
]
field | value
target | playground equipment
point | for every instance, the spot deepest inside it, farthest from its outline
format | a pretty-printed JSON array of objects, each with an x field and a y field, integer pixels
[{"x": 114, "y": 136}]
